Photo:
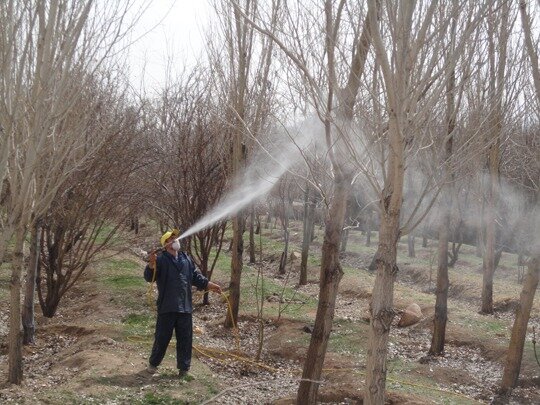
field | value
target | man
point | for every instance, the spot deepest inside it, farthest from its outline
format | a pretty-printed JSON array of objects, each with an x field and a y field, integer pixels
[{"x": 174, "y": 275}]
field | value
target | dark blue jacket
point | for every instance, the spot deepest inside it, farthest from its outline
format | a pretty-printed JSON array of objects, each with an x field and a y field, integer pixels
[{"x": 174, "y": 279}]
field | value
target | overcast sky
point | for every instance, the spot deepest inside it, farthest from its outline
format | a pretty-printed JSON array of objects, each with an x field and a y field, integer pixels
[{"x": 176, "y": 35}]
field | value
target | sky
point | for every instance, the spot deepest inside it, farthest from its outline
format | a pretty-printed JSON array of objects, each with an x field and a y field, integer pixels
[{"x": 171, "y": 36}]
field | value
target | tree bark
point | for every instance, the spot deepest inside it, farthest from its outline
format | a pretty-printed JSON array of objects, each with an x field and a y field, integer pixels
[
  {"x": 496, "y": 84},
  {"x": 285, "y": 224},
  {"x": 309, "y": 208},
  {"x": 331, "y": 274},
  {"x": 242, "y": 36},
  {"x": 488, "y": 262},
  {"x": 441, "y": 301},
  {"x": 30, "y": 287},
  {"x": 479, "y": 252},
  {"x": 369, "y": 224},
  {"x": 424, "y": 237},
  {"x": 410, "y": 245},
  {"x": 236, "y": 271},
  {"x": 519, "y": 330},
  {"x": 382, "y": 312},
  {"x": 268, "y": 218},
  {"x": 373, "y": 264},
  {"x": 284, "y": 254},
  {"x": 344, "y": 240},
  {"x": 252, "y": 258},
  {"x": 454, "y": 256},
  {"x": 15, "y": 372},
  {"x": 258, "y": 227}
]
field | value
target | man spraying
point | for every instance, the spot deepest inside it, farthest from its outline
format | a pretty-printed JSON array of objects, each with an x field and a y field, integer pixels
[{"x": 174, "y": 273}]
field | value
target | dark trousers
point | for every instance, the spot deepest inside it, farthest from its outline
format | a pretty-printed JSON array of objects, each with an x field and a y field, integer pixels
[{"x": 183, "y": 327}]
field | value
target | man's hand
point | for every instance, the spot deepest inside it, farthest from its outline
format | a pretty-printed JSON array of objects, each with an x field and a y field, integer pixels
[{"x": 214, "y": 287}]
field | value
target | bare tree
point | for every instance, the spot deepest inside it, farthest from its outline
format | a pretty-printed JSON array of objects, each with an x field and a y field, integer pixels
[
  {"x": 94, "y": 204},
  {"x": 413, "y": 81},
  {"x": 519, "y": 330},
  {"x": 441, "y": 309},
  {"x": 50, "y": 48},
  {"x": 499, "y": 28},
  {"x": 285, "y": 201},
  {"x": 244, "y": 80},
  {"x": 187, "y": 164},
  {"x": 334, "y": 105},
  {"x": 307, "y": 234},
  {"x": 531, "y": 168}
]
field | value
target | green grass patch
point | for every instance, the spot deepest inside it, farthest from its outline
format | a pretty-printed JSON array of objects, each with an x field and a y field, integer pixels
[
  {"x": 123, "y": 279},
  {"x": 123, "y": 282},
  {"x": 424, "y": 388},
  {"x": 482, "y": 326},
  {"x": 104, "y": 233},
  {"x": 152, "y": 398},
  {"x": 349, "y": 338},
  {"x": 403, "y": 377},
  {"x": 63, "y": 396},
  {"x": 295, "y": 305},
  {"x": 139, "y": 324}
]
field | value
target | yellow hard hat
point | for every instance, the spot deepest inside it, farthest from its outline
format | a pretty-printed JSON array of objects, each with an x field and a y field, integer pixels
[{"x": 175, "y": 232}]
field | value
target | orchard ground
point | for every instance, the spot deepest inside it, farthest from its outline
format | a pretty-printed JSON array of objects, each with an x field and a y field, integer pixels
[{"x": 95, "y": 349}]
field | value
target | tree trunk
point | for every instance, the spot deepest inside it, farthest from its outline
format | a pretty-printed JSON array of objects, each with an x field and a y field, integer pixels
[
  {"x": 309, "y": 208},
  {"x": 252, "y": 235},
  {"x": 519, "y": 330},
  {"x": 344, "y": 240},
  {"x": 373, "y": 265},
  {"x": 284, "y": 254},
  {"x": 331, "y": 274},
  {"x": 424, "y": 237},
  {"x": 204, "y": 271},
  {"x": 488, "y": 264},
  {"x": 455, "y": 254},
  {"x": 369, "y": 224},
  {"x": 382, "y": 311},
  {"x": 5, "y": 236},
  {"x": 134, "y": 224},
  {"x": 495, "y": 91},
  {"x": 497, "y": 258},
  {"x": 410, "y": 245},
  {"x": 30, "y": 287},
  {"x": 268, "y": 219},
  {"x": 236, "y": 271},
  {"x": 441, "y": 301},
  {"x": 479, "y": 252},
  {"x": 258, "y": 227},
  {"x": 15, "y": 372}
]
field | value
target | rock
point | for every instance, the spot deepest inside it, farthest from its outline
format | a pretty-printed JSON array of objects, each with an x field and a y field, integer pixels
[
  {"x": 412, "y": 315},
  {"x": 295, "y": 256}
]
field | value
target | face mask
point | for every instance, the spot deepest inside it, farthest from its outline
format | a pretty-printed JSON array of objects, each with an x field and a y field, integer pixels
[{"x": 176, "y": 246}]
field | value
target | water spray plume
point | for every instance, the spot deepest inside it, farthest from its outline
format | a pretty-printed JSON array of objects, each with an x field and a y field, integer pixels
[{"x": 260, "y": 176}]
